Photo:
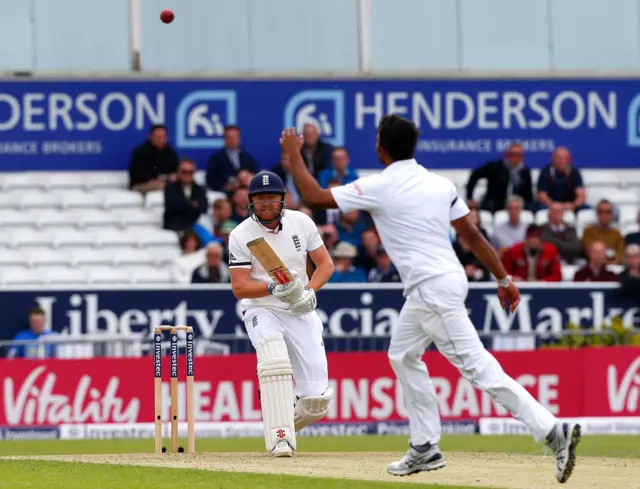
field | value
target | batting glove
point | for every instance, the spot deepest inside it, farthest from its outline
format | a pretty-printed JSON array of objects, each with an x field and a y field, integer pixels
[
  {"x": 306, "y": 303},
  {"x": 289, "y": 292}
]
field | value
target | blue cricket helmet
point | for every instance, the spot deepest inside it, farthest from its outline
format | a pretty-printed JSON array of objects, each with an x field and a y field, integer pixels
[{"x": 266, "y": 182}]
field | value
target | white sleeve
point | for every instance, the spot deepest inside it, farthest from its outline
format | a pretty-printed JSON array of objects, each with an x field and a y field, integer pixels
[
  {"x": 458, "y": 207},
  {"x": 360, "y": 195},
  {"x": 314, "y": 241},
  {"x": 239, "y": 256}
]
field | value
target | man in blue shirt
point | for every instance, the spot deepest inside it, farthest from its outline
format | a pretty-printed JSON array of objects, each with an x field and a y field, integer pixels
[
  {"x": 339, "y": 170},
  {"x": 344, "y": 270},
  {"x": 37, "y": 324},
  {"x": 561, "y": 182}
]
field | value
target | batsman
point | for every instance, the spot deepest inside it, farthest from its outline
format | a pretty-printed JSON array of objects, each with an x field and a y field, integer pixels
[{"x": 278, "y": 301}]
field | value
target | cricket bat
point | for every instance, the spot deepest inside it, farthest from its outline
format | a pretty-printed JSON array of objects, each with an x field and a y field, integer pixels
[{"x": 270, "y": 261}]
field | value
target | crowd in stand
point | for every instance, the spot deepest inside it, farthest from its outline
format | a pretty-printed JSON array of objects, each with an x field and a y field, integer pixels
[{"x": 530, "y": 252}]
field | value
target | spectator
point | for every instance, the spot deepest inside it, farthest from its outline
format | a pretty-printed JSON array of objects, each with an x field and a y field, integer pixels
[
  {"x": 283, "y": 170},
  {"x": 605, "y": 232},
  {"x": 329, "y": 235},
  {"x": 37, "y": 325},
  {"x": 224, "y": 165},
  {"x": 513, "y": 231},
  {"x": 315, "y": 153},
  {"x": 561, "y": 235},
  {"x": 533, "y": 260},
  {"x": 328, "y": 216},
  {"x": 192, "y": 256},
  {"x": 561, "y": 182},
  {"x": 350, "y": 227},
  {"x": 208, "y": 227},
  {"x": 634, "y": 238},
  {"x": 505, "y": 177},
  {"x": 184, "y": 200},
  {"x": 225, "y": 231},
  {"x": 345, "y": 271},
  {"x": 596, "y": 268},
  {"x": 339, "y": 171},
  {"x": 384, "y": 271},
  {"x": 214, "y": 270},
  {"x": 240, "y": 204},
  {"x": 153, "y": 162},
  {"x": 630, "y": 276},
  {"x": 475, "y": 270},
  {"x": 474, "y": 215},
  {"x": 368, "y": 250}
]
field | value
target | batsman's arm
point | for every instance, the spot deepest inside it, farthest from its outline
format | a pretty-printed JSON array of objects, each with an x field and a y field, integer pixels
[
  {"x": 480, "y": 247},
  {"x": 244, "y": 287},
  {"x": 324, "y": 268}
]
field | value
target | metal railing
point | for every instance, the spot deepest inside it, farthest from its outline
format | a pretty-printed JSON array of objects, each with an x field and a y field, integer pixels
[{"x": 91, "y": 346}]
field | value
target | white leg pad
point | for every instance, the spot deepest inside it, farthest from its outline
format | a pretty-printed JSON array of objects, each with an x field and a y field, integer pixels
[
  {"x": 276, "y": 395},
  {"x": 310, "y": 409}
]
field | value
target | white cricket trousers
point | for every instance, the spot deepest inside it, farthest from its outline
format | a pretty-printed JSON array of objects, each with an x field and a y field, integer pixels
[
  {"x": 435, "y": 312},
  {"x": 303, "y": 337}
]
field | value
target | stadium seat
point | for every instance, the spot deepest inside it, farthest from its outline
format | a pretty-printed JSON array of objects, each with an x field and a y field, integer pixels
[
  {"x": 21, "y": 276},
  {"x": 91, "y": 257},
  {"x": 631, "y": 228},
  {"x": 585, "y": 218},
  {"x": 615, "y": 195},
  {"x": 157, "y": 237},
  {"x": 141, "y": 217},
  {"x": 65, "y": 180},
  {"x": 54, "y": 218},
  {"x": 165, "y": 255},
  {"x": 568, "y": 272},
  {"x": 107, "y": 180},
  {"x": 154, "y": 199},
  {"x": 47, "y": 257},
  {"x": 12, "y": 218},
  {"x": 96, "y": 218},
  {"x": 628, "y": 214},
  {"x": 10, "y": 200},
  {"x": 22, "y": 180},
  {"x": 39, "y": 200},
  {"x": 123, "y": 199},
  {"x": 542, "y": 217},
  {"x": 75, "y": 200},
  {"x": 65, "y": 275},
  {"x": 213, "y": 195},
  {"x": 600, "y": 178},
  {"x": 486, "y": 218},
  {"x": 9, "y": 258},
  {"x": 502, "y": 216},
  {"x": 73, "y": 238},
  {"x": 29, "y": 237},
  {"x": 115, "y": 237},
  {"x": 617, "y": 269},
  {"x": 109, "y": 275},
  {"x": 129, "y": 256},
  {"x": 151, "y": 276}
]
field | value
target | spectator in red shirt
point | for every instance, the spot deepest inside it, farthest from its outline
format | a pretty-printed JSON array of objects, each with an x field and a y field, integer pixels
[
  {"x": 533, "y": 260},
  {"x": 596, "y": 268}
]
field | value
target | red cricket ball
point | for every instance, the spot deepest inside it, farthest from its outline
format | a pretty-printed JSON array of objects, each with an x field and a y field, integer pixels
[{"x": 167, "y": 16}]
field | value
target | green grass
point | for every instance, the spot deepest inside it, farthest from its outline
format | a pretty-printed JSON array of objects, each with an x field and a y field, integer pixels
[
  {"x": 594, "y": 445},
  {"x": 64, "y": 475}
]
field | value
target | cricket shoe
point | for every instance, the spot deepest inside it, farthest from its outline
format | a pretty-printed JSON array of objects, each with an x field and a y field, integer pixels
[
  {"x": 415, "y": 461},
  {"x": 282, "y": 449},
  {"x": 562, "y": 440}
]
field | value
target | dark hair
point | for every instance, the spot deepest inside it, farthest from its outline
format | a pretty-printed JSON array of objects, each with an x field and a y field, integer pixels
[
  {"x": 157, "y": 126},
  {"x": 187, "y": 160},
  {"x": 231, "y": 127},
  {"x": 398, "y": 137},
  {"x": 340, "y": 148},
  {"x": 35, "y": 310},
  {"x": 605, "y": 202},
  {"x": 186, "y": 235},
  {"x": 534, "y": 230}
]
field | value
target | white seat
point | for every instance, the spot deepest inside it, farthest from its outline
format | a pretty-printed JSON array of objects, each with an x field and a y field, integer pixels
[
  {"x": 502, "y": 217},
  {"x": 29, "y": 237},
  {"x": 55, "y": 218},
  {"x": 73, "y": 238},
  {"x": 213, "y": 195},
  {"x": 22, "y": 180},
  {"x": 96, "y": 218},
  {"x": 91, "y": 256},
  {"x": 116, "y": 237},
  {"x": 12, "y": 258},
  {"x": 628, "y": 214},
  {"x": 109, "y": 275},
  {"x": 139, "y": 217},
  {"x": 166, "y": 255},
  {"x": 156, "y": 237},
  {"x": 65, "y": 180},
  {"x": 75, "y": 200},
  {"x": 151, "y": 275},
  {"x": 10, "y": 200},
  {"x": 22, "y": 276},
  {"x": 39, "y": 200},
  {"x": 130, "y": 256},
  {"x": 486, "y": 218},
  {"x": 599, "y": 178},
  {"x": 617, "y": 269},
  {"x": 65, "y": 275},
  {"x": 123, "y": 199},
  {"x": 48, "y": 257},
  {"x": 106, "y": 179},
  {"x": 154, "y": 199},
  {"x": 615, "y": 195},
  {"x": 542, "y": 217},
  {"x": 568, "y": 271},
  {"x": 12, "y": 218},
  {"x": 585, "y": 218},
  {"x": 527, "y": 217},
  {"x": 631, "y": 228}
]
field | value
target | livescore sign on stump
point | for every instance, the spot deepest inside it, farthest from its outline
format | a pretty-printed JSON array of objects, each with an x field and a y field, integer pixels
[{"x": 157, "y": 357}]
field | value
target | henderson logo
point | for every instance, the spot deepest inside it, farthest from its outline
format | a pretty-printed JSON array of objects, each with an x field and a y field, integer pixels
[{"x": 364, "y": 315}]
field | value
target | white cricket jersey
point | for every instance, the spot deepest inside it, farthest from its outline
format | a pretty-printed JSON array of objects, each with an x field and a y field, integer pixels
[
  {"x": 412, "y": 209},
  {"x": 297, "y": 235}
]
